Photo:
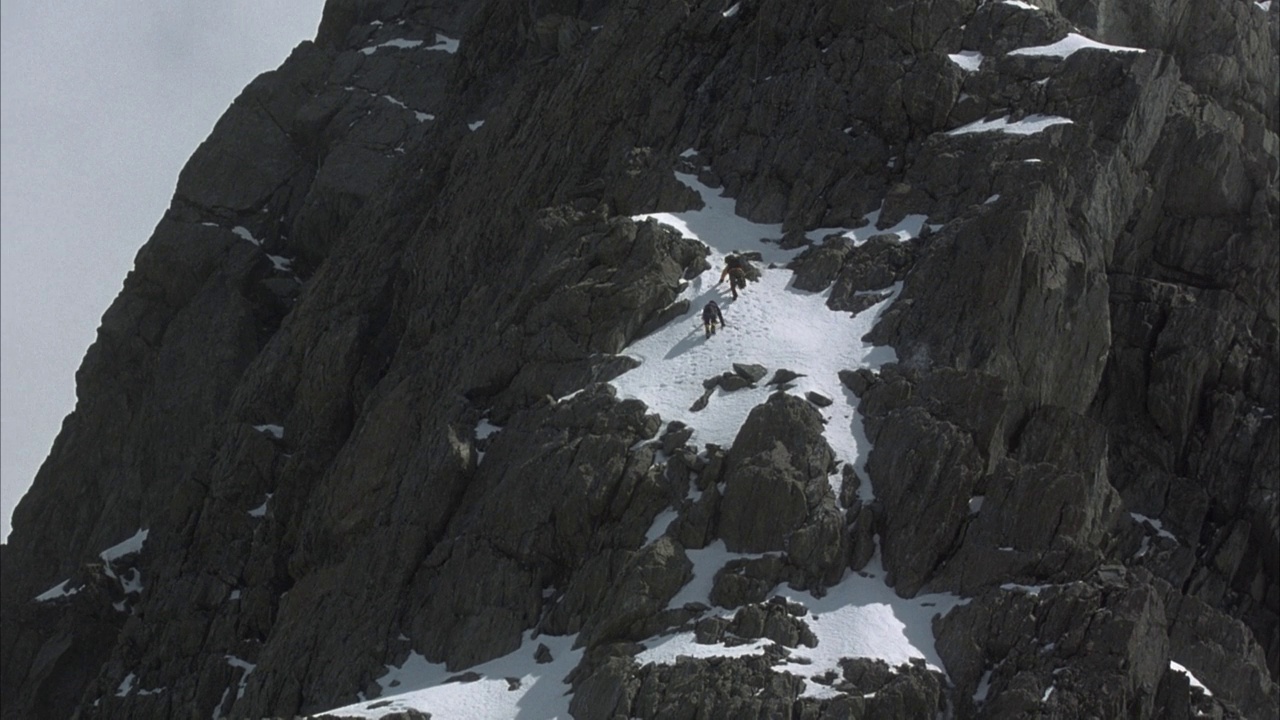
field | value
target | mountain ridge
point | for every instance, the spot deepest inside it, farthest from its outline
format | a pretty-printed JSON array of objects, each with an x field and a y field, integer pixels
[{"x": 353, "y": 259}]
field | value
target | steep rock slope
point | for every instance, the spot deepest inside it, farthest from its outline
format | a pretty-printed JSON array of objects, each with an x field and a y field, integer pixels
[{"x": 423, "y": 224}]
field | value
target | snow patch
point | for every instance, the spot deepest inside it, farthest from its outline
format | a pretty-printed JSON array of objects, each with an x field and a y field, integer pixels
[
  {"x": 57, "y": 591},
  {"x": 128, "y": 547},
  {"x": 399, "y": 44},
  {"x": 1154, "y": 524},
  {"x": 968, "y": 60},
  {"x": 126, "y": 685},
  {"x": 1071, "y": 44},
  {"x": 244, "y": 233},
  {"x": 486, "y": 429},
  {"x": 1195, "y": 682},
  {"x": 984, "y": 687},
  {"x": 1029, "y": 125},
  {"x": 261, "y": 510},
  {"x": 772, "y": 324},
  {"x": 659, "y": 526},
  {"x": 244, "y": 665},
  {"x": 514, "y": 686},
  {"x": 445, "y": 44},
  {"x": 1032, "y": 590},
  {"x": 274, "y": 431},
  {"x": 859, "y": 617}
]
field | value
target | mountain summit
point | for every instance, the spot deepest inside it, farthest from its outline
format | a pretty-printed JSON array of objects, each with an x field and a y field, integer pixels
[{"x": 406, "y": 409}]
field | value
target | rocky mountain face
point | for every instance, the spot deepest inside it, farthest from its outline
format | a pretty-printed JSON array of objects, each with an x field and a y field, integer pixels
[{"x": 423, "y": 220}]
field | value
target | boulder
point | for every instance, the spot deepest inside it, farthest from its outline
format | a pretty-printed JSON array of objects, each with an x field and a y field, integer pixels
[
  {"x": 777, "y": 493},
  {"x": 1020, "y": 641}
]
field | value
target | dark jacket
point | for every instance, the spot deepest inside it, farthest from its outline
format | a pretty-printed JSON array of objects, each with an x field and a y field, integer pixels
[{"x": 711, "y": 313}]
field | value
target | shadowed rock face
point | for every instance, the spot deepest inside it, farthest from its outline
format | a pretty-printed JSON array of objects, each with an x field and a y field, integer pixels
[{"x": 1079, "y": 434}]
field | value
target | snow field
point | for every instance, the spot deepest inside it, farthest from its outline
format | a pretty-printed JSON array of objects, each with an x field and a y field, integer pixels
[{"x": 512, "y": 687}]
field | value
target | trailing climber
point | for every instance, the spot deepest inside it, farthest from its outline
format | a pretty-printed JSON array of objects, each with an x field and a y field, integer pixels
[
  {"x": 710, "y": 315},
  {"x": 736, "y": 272}
]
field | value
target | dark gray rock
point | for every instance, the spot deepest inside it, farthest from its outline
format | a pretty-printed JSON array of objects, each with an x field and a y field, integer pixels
[
  {"x": 1222, "y": 652},
  {"x": 752, "y": 372},
  {"x": 818, "y": 399},
  {"x": 777, "y": 493},
  {"x": 923, "y": 472},
  {"x": 1043, "y": 516},
  {"x": 632, "y": 607},
  {"x": 741, "y": 582},
  {"x": 543, "y": 654},
  {"x": 677, "y": 435},
  {"x": 1097, "y": 307},
  {"x": 855, "y": 270},
  {"x": 1025, "y": 639},
  {"x": 733, "y": 381},
  {"x": 782, "y": 376}
]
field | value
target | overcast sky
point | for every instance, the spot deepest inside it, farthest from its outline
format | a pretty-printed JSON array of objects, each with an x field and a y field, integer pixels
[{"x": 101, "y": 104}]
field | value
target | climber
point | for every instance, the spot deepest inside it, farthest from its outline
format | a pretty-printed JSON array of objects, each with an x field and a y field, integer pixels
[
  {"x": 710, "y": 315},
  {"x": 737, "y": 274}
]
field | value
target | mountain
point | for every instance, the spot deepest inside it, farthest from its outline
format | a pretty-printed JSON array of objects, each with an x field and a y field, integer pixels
[{"x": 405, "y": 409}]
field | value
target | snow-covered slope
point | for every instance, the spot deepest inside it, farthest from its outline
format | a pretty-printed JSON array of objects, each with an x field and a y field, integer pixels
[{"x": 770, "y": 324}]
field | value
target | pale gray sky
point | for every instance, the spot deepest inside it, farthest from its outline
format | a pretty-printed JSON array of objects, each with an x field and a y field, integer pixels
[{"x": 101, "y": 104}]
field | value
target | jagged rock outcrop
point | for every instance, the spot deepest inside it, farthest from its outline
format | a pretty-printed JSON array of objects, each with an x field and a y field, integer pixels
[{"x": 355, "y": 389}]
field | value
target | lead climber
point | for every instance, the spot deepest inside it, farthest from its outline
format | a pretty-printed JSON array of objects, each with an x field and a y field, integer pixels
[
  {"x": 736, "y": 272},
  {"x": 710, "y": 315}
]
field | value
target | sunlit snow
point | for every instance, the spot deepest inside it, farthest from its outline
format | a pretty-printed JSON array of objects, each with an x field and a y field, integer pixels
[
  {"x": 130, "y": 583},
  {"x": 970, "y": 60},
  {"x": 1070, "y": 44},
  {"x": 1195, "y": 682},
  {"x": 771, "y": 324},
  {"x": 512, "y": 687},
  {"x": 1028, "y": 125},
  {"x": 860, "y": 617},
  {"x": 778, "y": 326}
]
